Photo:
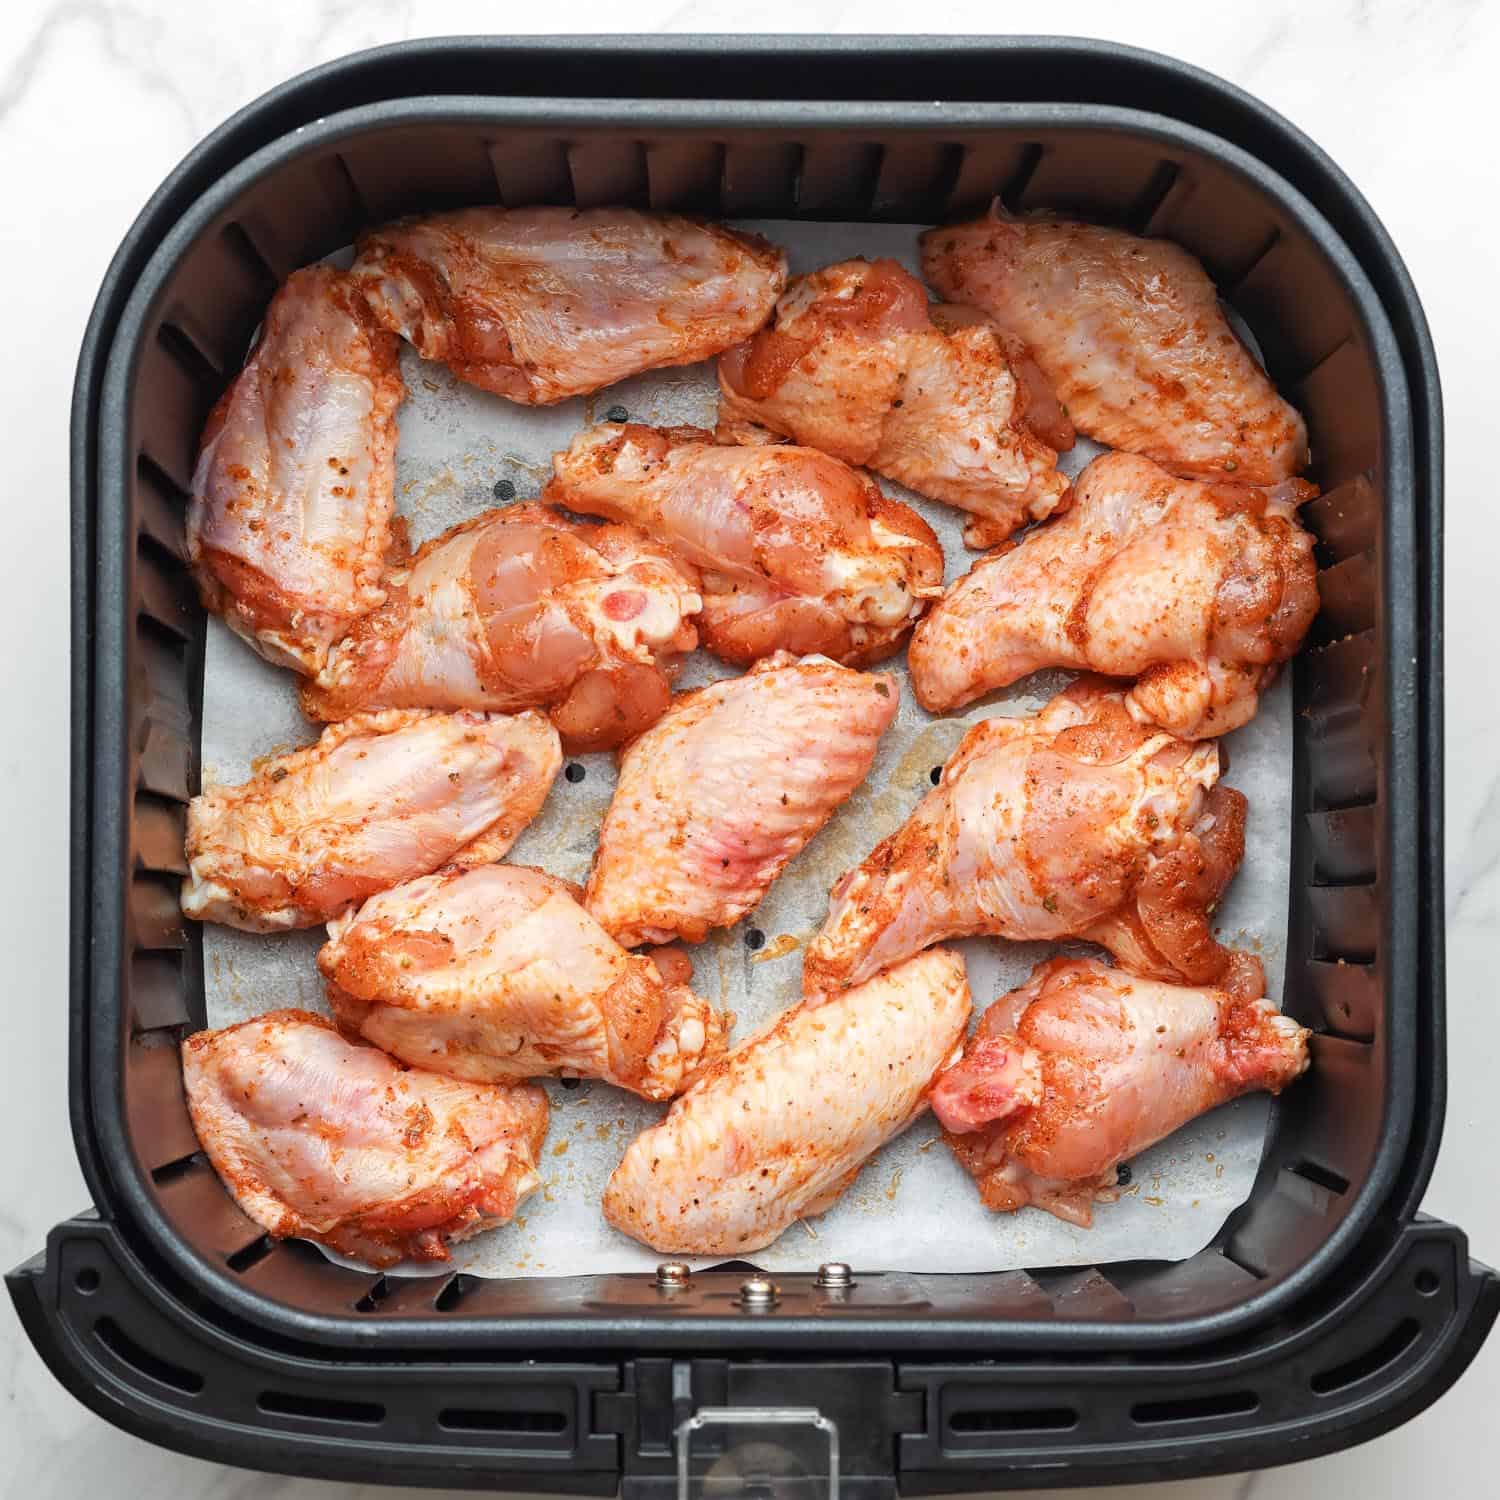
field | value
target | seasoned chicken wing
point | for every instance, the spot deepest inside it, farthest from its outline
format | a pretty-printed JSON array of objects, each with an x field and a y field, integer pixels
[
  {"x": 715, "y": 800},
  {"x": 290, "y": 517},
  {"x": 538, "y": 304},
  {"x": 778, "y": 1129},
  {"x": 1085, "y": 1065},
  {"x": 1130, "y": 334},
  {"x": 936, "y": 398},
  {"x": 1199, "y": 591},
  {"x": 798, "y": 552},
  {"x": 318, "y": 1139},
  {"x": 498, "y": 973},
  {"x": 381, "y": 798},
  {"x": 519, "y": 608},
  {"x": 1078, "y": 822}
]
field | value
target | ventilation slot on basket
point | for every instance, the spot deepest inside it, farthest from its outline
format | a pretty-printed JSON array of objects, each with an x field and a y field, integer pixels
[
  {"x": 362, "y": 214},
  {"x": 162, "y": 507},
  {"x": 1195, "y": 1408},
  {"x": 1389, "y": 1349},
  {"x": 609, "y": 172},
  {"x": 321, "y": 1408},
  {"x": 1228, "y": 286},
  {"x": 156, "y": 919},
  {"x": 379, "y": 1291},
  {"x": 158, "y": 994},
  {"x": 247, "y": 253},
  {"x": 164, "y": 592},
  {"x": 1015, "y": 188},
  {"x": 1140, "y": 213},
  {"x": 916, "y": 180},
  {"x": 1026, "y": 1419},
  {"x": 124, "y": 1348},
  {"x": 518, "y": 1423},
  {"x": 172, "y": 1170},
  {"x": 195, "y": 364},
  {"x": 251, "y": 1254},
  {"x": 1324, "y": 1177},
  {"x": 836, "y": 179},
  {"x": 1345, "y": 921},
  {"x": 454, "y": 1291}
]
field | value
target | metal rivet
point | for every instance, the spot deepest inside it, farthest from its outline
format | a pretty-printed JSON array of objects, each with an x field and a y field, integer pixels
[
  {"x": 672, "y": 1275},
  {"x": 834, "y": 1274},
  {"x": 759, "y": 1292},
  {"x": 504, "y": 490}
]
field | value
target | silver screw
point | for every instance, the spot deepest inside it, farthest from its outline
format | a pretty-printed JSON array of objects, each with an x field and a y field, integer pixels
[
  {"x": 672, "y": 1276},
  {"x": 834, "y": 1275},
  {"x": 758, "y": 1293}
]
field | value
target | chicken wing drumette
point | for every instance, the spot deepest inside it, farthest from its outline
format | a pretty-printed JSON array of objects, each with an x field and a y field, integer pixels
[
  {"x": 498, "y": 973},
  {"x": 937, "y": 398},
  {"x": 1199, "y": 591},
  {"x": 1130, "y": 335},
  {"x": 716, "y": 799},
  {"x": 1079, "y": 822},
  {"x": 1085, "y": 1065},
  {"x": 539, "y": 304},
  {"x": 290, "y": 517},
  {"x": 521, "y": 608},
  {"x": 779, "y": 1128},
  {"x": 318, "y": 1139},
  {"x": 381, "y": 798},
  {"x": 798, "y": 552}
]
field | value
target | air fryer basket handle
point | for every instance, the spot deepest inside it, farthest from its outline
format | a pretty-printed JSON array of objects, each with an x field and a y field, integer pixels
[{"x": 1403, "y": 1330}]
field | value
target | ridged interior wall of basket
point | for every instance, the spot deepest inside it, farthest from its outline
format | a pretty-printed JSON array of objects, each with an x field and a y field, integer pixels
[{"x": 1327, "y": 1131}]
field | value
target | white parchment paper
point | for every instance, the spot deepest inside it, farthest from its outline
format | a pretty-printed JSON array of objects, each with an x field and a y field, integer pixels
[{"x": 912, "y": 1208}]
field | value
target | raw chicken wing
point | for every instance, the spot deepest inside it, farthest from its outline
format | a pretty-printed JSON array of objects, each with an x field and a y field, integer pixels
[
  {"x": 290, "y": 517},
  {"x": 778, "y": 1129},
  {"x": 936, "y": 398},
  {"x": 1076, "y": 823},
  {"x": 321, "y": 1140},
  {"x": 1084, "y": 1066},
  {"x": 519, "y": 608},
  {"x": 381, "y": 798},
  {"x": 498, "y": 973},
  {"x": 798, "y": 552},
  {"x": 716, "y": 799},
  {"x": 1130, "y": 334},
  {"x": 538, "y": 304},
  {"x": 1199, "y": 591}
]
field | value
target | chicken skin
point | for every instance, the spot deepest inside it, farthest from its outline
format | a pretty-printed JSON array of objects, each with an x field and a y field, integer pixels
[
  {"x": 717, "y": 798},
  {"x": 381, "y": 798},
  {"x": 521, "y": 608},
  {"x": 1130, "y": 335},
  {"x": 539, "y": 304},
  {"x": 290, "y": 516},
  {"x": 1084, "y": 1066},
  {"x": 779, "y": 1128},
  {"x": 1198, "y": 591},
  {"x": 498, "y": 973},
  {"x": 318, "y": 1139},
  {"x": 1078, "y": 822},
  {"x": 936, "y": 398},
  {"x": 798, "y": 552}
]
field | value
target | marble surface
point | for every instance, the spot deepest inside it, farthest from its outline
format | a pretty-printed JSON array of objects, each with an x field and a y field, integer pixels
[{"x": 99, "y": 99}]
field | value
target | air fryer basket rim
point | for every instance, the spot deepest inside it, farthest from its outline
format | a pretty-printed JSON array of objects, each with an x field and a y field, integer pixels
[{"x": 126, "y": 1186}]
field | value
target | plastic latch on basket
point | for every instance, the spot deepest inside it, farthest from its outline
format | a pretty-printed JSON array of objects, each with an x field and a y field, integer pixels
[{"x": 751, "y": 1462}]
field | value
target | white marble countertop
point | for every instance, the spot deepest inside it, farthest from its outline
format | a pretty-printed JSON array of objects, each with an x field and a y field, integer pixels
[{"x": 99, "y": 99}]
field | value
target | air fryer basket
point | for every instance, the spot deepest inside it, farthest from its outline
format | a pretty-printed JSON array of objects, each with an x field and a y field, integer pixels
[{"x": 1350, "y": 1148}]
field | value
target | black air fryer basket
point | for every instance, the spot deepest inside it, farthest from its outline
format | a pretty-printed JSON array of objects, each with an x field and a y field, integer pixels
[{"x": 1325, "y": 1311}]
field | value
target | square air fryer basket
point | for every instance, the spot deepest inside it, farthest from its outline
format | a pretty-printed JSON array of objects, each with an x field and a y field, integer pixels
[{"x": 173, "y": 1293}]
